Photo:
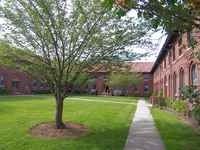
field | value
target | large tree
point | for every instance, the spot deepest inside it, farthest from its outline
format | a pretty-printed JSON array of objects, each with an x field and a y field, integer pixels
[
  {"x": 60, "y": 39},
  {"x": 171, "y": 15}
]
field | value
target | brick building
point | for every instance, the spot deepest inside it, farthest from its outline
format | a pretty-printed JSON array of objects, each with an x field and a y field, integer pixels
[
  {"x": 18, "y": 83},
  {"x": 15, "y": 82},
  {"x": 175, "y": 67},
  {"x": 176, "y": 64},
  {"x": 144, "y": 89}
]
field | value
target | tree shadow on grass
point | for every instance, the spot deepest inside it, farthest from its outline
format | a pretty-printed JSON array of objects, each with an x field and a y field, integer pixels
[{"x": 102, "y": 139}]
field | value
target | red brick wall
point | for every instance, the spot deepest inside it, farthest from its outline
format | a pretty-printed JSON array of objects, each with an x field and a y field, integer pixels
[
  {"x": 137, "y": 91},
  {"x": 168, "y": 78},
  {"x": 9, "y": 76}
]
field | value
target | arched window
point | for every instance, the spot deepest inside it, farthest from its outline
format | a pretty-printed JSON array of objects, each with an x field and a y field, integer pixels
[
  {"x": 169, "y": 86},
  {"x": 173, "y": 52},
  {"x": 174, "y": 84},
  {"x": 181, "y": 78},
  {"x": 165, "y": 86},
  {"x": 194, "y": 74}
]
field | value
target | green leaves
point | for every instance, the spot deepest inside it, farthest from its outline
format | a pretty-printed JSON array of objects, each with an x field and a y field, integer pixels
[
  {"x": 124, "y": 79},
  {"x": 108, "y": 4},
  {"x": 60, "y": 41},
  {"x": 191, "y": 93}
]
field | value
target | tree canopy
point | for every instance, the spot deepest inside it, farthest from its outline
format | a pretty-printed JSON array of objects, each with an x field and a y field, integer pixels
[
  {"x": 124, "y": 79},
  {"x": 59, "y": 39},
  {"x": 172, "y": 15}
]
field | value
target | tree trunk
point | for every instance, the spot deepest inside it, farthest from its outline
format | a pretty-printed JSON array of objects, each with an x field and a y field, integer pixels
[{"x": 59, "y": 113}]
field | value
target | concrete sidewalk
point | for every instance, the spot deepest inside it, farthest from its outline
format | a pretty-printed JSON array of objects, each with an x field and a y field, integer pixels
[{"x": 143, "y": 134}]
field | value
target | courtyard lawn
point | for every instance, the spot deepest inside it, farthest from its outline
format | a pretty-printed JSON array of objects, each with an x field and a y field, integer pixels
[
  {"x": 127, "y": 99},
  {"x": 175, "y": 134},
  {"x": 108, "y": 122}
]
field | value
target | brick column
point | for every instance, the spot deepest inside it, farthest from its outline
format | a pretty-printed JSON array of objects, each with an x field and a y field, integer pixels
[{"x": 187, "y": 74}]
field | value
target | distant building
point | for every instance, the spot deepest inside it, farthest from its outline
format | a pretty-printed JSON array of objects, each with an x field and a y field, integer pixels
[
  {"x": 144, "y": 89},
  {"x": 15, "y": 82},
  {"x": 18, "y": 83}
]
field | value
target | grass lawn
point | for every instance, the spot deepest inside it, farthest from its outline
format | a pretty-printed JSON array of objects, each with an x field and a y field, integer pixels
[
  {"x": 108, "y": 122},
  {"x": 175, "y": 134}
]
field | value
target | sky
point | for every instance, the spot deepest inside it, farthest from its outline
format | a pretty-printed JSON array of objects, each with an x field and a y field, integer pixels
[{"x": 158, "y": 39}]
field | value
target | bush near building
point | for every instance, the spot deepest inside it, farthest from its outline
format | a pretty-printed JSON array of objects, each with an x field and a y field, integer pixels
[
  {"x": 3, "y": 91},
  {"x": 188, "y": 105}
]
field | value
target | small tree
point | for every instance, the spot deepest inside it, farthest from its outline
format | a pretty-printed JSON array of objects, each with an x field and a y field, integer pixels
[
  {"x": 124, "y": 79},
  {"x": 191, "y": 93},
  {"x": 61, "y": 38}
]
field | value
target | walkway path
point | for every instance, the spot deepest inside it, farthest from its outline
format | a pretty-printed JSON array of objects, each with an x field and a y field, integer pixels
[{"x": 143, "y": 134}]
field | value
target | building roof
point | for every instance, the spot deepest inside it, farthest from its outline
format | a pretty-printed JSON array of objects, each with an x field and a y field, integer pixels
[
  {"x": 166, "y": 47},
  {"x": 140, "y": 67}
]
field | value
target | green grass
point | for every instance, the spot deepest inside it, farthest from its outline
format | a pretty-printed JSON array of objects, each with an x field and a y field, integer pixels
[
  {"x": 108, "y": 122},
  {"x": 106, "y": 98},
  {"x": 175, "y": 134}
]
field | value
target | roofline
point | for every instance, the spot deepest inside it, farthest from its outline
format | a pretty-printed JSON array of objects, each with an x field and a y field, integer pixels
[{"x": 163, "y": 50}]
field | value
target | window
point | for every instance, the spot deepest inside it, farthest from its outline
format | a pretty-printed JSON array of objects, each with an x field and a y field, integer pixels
[
  {"x": 194, "y": 74},
  {"x": 161, "y": 67},
  {"x": 34, "y": 83},
  {"x": 15, "y": 84},
  {"x": 102, "y": 77},
  {"x": 189, "y": 39},
  {"x": 147, "y": 76},
  {"x": 146, "y": 88},
  {"x": 180, "y": 39},
  {"x": 164, "y": 63},
  {"x": 180, "y": 51},
  {"x": 169, "y": 57},
  {"x": 165, "y": 86},
  {"x": 181, "y": 78},
  {"x": 173, "y": 52},
  {"x": 169, "y": 85},
  {"x": 136, "y": 89},
  {"x": 1, "y": 81},
  {"x": 174, "y": 84}
]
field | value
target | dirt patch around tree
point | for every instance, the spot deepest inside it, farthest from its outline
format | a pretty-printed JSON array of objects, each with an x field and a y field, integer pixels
[{"x": 48, "y": 130}]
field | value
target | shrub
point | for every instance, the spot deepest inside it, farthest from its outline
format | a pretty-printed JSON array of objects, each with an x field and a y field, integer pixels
[
  {"x": 3, "y": 91},
  {"x": 162, "y": 102},
  {"x": 191, "y": 93},
  {"x": 180, "y": 106},
  {"x": 169, "y": 102},
  {"x": 196, "y": 113}
]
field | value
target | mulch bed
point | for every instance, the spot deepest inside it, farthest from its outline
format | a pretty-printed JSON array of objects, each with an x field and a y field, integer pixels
[{"x": 48, "y": 130}]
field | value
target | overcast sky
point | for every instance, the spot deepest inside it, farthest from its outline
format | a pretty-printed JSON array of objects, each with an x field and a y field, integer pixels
[{"x": 158, "y": 38}]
